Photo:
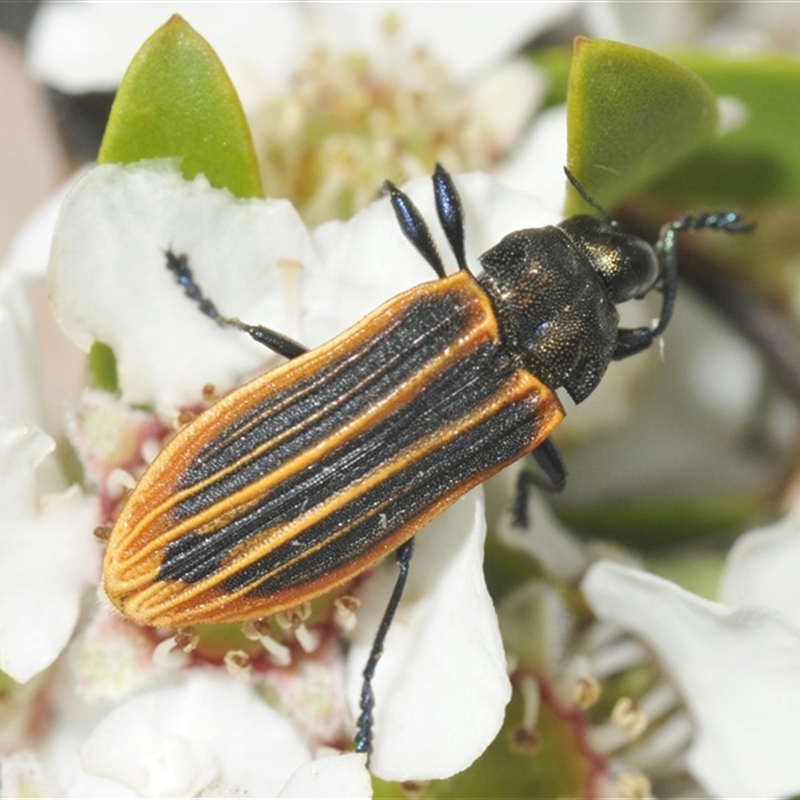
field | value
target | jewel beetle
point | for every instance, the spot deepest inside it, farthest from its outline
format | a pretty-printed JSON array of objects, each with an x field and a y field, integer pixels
[{"x": 295, "y": 483}]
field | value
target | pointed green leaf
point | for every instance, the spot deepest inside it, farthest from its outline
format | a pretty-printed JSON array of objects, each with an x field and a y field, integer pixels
[
  {"x": 631, "y": 115},
  {"x": 177, "y": 101},
  {"x": 759, "y": 160}
]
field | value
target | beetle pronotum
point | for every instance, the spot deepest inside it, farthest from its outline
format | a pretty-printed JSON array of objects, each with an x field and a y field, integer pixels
[{"x": 303, "y": 478}]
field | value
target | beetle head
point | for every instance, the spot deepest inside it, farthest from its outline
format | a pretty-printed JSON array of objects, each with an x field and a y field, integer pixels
[{"x": 627, "y": 265}]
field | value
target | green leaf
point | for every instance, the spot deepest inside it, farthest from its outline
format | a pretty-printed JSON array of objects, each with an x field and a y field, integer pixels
[
  {"x": 760, "y": 160},
  {"x": 631, "y": 116},
  {"x": 555, "y": 62},
  {"x": 653, "y": 522},
  {"x": 177, "y": 101},
  {"x": 103, "y": 367}
]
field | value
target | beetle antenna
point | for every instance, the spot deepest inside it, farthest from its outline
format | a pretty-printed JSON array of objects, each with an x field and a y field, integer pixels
[
  {"x": 178, "y": 265},
  {"x": 451, "y": 215},
  {"x": 728, "y": 221},
  {"x": 588, "y": 199},
  {"x": 414, "y": 228}
]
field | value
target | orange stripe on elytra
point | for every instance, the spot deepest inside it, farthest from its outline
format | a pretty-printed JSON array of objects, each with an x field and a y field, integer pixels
[
  {"x": 162, "y": 601},
  {"x": 131, "y": 574},
  {"x": 483, "y": 329}
]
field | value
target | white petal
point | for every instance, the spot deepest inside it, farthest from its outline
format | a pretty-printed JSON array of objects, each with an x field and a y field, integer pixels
[
  {"x": 536, "y": 165},
  {"x": 368, "y": 259},
  {"x": 29, "y": 252},
  {"x": 468, "y": 37},
  {"x": 178, "y": 740},
  {"x": 23, "y": 775},
  {"x": 762, "y": 568},
  {"x": 48, "y": 556},
  {"x": 736, "y": 668},
  {"x": 441, "y": 686},
  {"x": 108, "y": 280},
  {"x": 86, "y": 47},
  {"x": 21, "y": 396},
  {"x": 547, "y": 540},
  {"x": 335, "y": 776},
  {"x": 506, "y": 98}
]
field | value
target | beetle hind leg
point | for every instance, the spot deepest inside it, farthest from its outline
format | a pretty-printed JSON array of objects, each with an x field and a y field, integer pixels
[
  {"x": 363, "y": 738},
  {"x": 178, "y": 265},
  {"x": 551, "y": 477}
]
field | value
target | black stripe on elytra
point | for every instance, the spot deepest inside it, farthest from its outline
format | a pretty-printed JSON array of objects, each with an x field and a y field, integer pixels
[
  {"x": 340, "y": 392},
  {"x": 392, "y": 504},
  {"x": 466, "y": 383}
]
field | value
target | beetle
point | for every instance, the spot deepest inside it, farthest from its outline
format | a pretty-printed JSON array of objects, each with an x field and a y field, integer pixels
[{"x": 301, "y": 479}]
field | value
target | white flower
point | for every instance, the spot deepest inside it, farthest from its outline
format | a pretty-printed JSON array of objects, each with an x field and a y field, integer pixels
[
  {"x": 207, "y": 733},
  {"x": 109, "y": 282},
  {"x": 86, "y": 47},
  {"x": 377, "y": 90},
  {"x": 735, "y": 662},
  {"x": 47, "y": 559}
]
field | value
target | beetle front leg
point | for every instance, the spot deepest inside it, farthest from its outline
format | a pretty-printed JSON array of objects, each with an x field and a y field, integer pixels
[{"x": 631, "y": 341}]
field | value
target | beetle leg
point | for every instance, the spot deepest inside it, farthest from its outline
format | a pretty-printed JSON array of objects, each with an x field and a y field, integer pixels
[
  {"x": 363, "y": 739},
  {"x": 277, "y": 342},
  {"x": 631, "y": 341},
  {"x": 554, "y": 479}
]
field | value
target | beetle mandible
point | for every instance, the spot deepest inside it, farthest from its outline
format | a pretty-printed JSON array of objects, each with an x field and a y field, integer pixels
[{"x": 303, "y": 478}]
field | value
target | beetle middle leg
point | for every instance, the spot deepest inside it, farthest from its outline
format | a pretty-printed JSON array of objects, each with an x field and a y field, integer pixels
[
  {"x": 363, "y": 738},
  {"x": 552, "y": 478},
  {"x": 178, "y": 265}
]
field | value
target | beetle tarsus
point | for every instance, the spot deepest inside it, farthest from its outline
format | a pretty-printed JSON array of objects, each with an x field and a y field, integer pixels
[
  {"x": 666, "y": 248},
  {"x": 554, "y": 479}
]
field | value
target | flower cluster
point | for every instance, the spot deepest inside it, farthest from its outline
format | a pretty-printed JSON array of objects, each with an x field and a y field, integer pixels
[{"x": 588, "y": 676}]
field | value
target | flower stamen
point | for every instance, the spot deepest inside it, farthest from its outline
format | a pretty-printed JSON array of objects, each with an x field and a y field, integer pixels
[
  {"x": 344, "y": 614},
  {"x": 633, "y": 786},
  {"x": 259, "y": 630},
  {"x": 586, "y": 691},
  {"x": 102, "y": 532},
  {"x": 210, "y": 393},
  {"x": 118, "y": 482},
  {"x": 628, "y": 715},
  {"x": 237, "y": 662},
  {"x": 187, "y": 639},
  {"x": 524, "y": 738},
  {"x": 184, "y": 418}
]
